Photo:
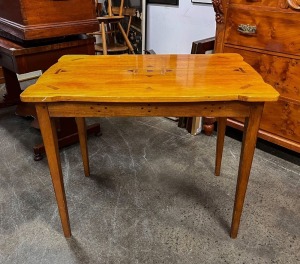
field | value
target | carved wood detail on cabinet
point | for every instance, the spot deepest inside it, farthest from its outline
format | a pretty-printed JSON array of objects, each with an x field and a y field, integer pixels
[{"x": 266, "y": 34}]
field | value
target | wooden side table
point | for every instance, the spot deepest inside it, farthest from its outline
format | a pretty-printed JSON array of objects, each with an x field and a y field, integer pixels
[{"x": 150, "y": 85}]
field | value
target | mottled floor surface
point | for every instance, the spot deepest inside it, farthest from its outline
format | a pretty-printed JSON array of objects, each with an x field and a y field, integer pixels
[{"x": 152, "y": 198}]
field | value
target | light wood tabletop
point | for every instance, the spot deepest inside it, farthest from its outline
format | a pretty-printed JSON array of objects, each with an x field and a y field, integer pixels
[
  {"x": 151, "y": 78},
  {"x": 221, "y": 85}
]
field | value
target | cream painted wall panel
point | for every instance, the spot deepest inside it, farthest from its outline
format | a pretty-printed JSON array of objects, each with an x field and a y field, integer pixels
[{"x": 172, "y": 29}]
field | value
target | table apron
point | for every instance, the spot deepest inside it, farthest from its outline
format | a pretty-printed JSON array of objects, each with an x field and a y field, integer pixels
[{"x": 87, "y": 109}]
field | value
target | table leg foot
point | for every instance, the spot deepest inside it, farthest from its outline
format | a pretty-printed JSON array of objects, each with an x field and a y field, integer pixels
[{"x": 38, "y": 157}]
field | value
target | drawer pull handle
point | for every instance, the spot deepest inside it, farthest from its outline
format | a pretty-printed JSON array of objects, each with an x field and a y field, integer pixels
[{"x": 247, "y": 29}]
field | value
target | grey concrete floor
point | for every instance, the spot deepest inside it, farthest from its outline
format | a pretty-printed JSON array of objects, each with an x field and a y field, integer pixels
[{"x": 152, "y": 197}]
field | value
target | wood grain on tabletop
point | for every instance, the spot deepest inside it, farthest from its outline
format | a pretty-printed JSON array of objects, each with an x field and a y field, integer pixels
[{"x": 150, "y": 78}]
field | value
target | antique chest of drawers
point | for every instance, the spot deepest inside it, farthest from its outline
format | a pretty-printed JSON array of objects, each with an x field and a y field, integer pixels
[
  {"x": 266, "y": 33},
  {"x": 36, "y": 19}
]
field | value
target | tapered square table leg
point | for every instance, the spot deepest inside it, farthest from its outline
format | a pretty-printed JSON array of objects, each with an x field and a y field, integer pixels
[
  {"x": 48, "y": 130},
  {"x": 247, "y": 152}
]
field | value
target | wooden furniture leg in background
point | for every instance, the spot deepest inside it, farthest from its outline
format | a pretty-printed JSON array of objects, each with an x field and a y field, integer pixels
[
  {"x": 126, "y": 38},
  {"x": 247, "y": 152},
  {"x": 80, "y": 121},
  {"x": 209, "y": 125},
  {"x": 67, "y": 135},
  {"x": 104, "y": 44},
  {"x": 220, "y": 144},
  {"x": 2, "y": 80},
  {"x": 13, "y": 89}
]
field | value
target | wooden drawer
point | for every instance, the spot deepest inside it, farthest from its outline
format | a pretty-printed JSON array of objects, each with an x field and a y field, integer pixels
[
  {"x": 272, "y": 32},
  {"x": 281, "y": 72},
  {"x": 283, "y": 119}
]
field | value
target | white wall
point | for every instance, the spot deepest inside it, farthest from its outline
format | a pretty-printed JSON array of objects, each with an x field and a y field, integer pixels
[{"x": 172, "y": 29}]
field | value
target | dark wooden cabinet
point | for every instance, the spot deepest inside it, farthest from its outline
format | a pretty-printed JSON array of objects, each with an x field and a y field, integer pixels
[
  {"x": 34, "y": 34},
  {"x": 36, "y": 19},
  {"x": 266, "y": 34}
]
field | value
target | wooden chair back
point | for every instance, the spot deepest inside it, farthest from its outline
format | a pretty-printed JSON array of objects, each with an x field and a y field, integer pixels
[
  {"x": 110, "y": 8},
  {"x": 129, "y": 12}
]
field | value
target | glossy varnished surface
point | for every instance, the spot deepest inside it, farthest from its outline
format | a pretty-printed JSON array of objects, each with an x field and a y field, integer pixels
[{"x": 150, "y": 78}]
